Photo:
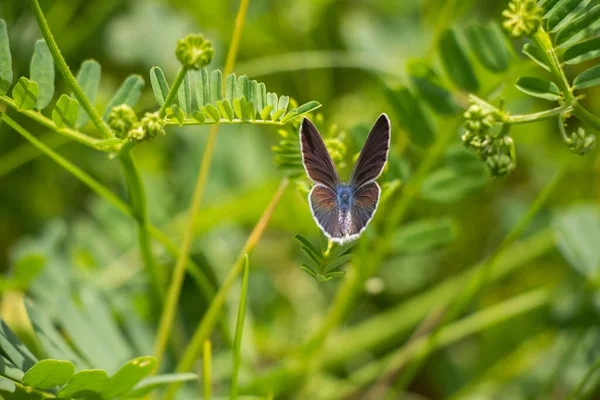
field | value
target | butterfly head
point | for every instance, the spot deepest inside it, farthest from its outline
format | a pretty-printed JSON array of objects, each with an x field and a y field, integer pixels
[{"x": 344, "y": 195}]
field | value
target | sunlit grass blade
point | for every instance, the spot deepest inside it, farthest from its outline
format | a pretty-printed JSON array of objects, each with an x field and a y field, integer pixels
[
  {"x": 41, "y": 71},
  {"x": 206, "y": 370},
  {"x": 239, "y": 329}
]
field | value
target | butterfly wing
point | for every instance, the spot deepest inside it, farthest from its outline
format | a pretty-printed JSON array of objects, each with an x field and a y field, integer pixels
[
  {"x": 374, "y": 153},
  {"x": 315, "y": 157},
  {"x": 325, "y": 210},
  {"x": 363, "y": 208}
]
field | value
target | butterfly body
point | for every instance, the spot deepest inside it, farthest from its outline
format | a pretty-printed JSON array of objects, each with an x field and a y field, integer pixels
[{"x": 343, "y": 210}]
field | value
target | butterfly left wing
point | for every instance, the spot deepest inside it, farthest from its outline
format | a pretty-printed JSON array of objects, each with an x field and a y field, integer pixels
[
  {"x": 315, "y": 157},
  {"x": 374, "y": 153},
  {"x": 325, "y": 211}
]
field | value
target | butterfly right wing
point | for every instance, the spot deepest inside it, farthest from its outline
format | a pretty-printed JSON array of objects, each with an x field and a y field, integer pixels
[
  {"x": 315, "y": 157},
  {"x": 325, "y": 211}
]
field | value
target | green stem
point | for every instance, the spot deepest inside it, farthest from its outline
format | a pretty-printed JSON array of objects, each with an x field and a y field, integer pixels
[
  {"x": 577, "y": 392},
  {"x": 534, "y": 117},
  {"x": 239, "y": 329},
  {"x": 174, "y": 290},
  {"x": 173, "y": 92},
  {"x": 478, "y": 281},
  {"x": 209, "y": 319},
  {"x": 139, "y": 204},
  {"x": 206, "y": 370},
  {"x": 580, "y": 112},
  {"x": 223, "y": 121},
  {"x": 48, "y": 123},
  {"x": 194, "y": 270},
  {"x": 66, "y": 73}
]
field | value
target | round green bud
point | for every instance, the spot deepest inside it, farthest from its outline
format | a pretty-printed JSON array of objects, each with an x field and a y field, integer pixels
[
  {"x": 581, "y": 143},
  {"x": 121, "y": 120},
  {"x": 477, "y": 120},
  {"x": 194, "y": 52},
  {"x": 153, "y": 125},
  {"x": 137, "y": 134},
  {"x": 499, "y": 165},
  {"x": 523, "y": 17}
]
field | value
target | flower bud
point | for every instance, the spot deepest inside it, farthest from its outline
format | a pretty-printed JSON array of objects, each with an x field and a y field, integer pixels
[
  {"x": 153, "y": 125},
  {"x": 121, "y": 120},
  {"x": 523, "y": 17},
  {"x": 581, "y": 143},
  {"x": 499, "y": 165},
  {"x": 194, "y": 52}
]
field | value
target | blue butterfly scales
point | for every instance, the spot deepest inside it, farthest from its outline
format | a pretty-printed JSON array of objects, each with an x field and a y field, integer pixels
[{"x": 343, "y": 210}]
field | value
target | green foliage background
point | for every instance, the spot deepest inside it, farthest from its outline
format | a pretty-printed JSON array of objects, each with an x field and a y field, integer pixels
[{"x": 526, "y": 325}]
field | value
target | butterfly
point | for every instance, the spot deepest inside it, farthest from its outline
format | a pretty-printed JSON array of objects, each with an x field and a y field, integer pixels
[{"x": 343, "y": 210}]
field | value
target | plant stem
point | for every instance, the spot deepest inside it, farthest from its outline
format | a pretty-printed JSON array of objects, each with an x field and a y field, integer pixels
[
  {"x": 195, "y": 271},
  {"x": 533, "y": 117},
  {"x": 174, "y": 289},
  {"x": 173, "y": 92},
  {"x": 66, "y": 73},
  {"x": 209, "y": 319},
  {"x": 480, "y": 279},
  {"x": 239, "y": 329},
  {"x": 206, "y": 370},
  {"x": 48, "y": 123},
  {"x": 139, "y": 204}
]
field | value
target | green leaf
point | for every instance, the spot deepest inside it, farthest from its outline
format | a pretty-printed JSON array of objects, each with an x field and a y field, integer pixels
[
  {"x": 153, "y": 382},
  {"x": 447, "y": 185},
  {"x": 583, "y": 51},
  {"x": 271, "y": 101},
  {"x": 41, "y": 71},
  {"x": 538, "y": 87},
  {"x": 489, "y": 45},
  {"x": 563, "y": 12},
  {"x": 412, "y": 116},
  {"x": 282, "y": 105},
  {"x": 14, "y": 349},
  {"x": 536, "y": 54},
  {"x": 226, "y": 109},
  {"x": 65, "y": 112},
  {"x": 261, "y": 100},
  {"x": 312, "y": 249},
  {"x": 199, "y": 116},
  {"x": 424, "y": 235},
  {"x": 242, "y": 88},
  {"x": 266, "y": 112},
  {"x": 25, "y": 94},
  {"x": 588, "y": 78},
  {"x": 579, "y": 28},
  {"x": 252, "y": 100},
  {"x": 159, "y": 84},
  {"x": 577, "y": 232},
  {"x": 547, "y": 5},
  {"x": 129, "y": 375},
  {"x": 239, "y": 106},
  {"x": 427, "y": 84},
  {"x": 216, "y": 86},
  {"x": 10, "y": 370},
  {"x": 303, "y": 109},
  {"x": 336, "y": 263},
  {"x": 176, "y": 112},
  {"x": 129, "y": 93},
  {"x": 84, "y": 383},
  {"x": 6, "y": 71},
  {"x": 202, "y": 87},
  {"x": 230, "y": 88},
  {"x": 184, "y": 95},
  {"x": 28, "y": 268},
  {"x": 212, "y": 112},
  {"x": 456, "y": 62},
  {"x": 6, "y": 385},
  {"x": 113, "y": 144},
  {"x": 88, "y": 78},
  {"x": 47, "y": 374}
]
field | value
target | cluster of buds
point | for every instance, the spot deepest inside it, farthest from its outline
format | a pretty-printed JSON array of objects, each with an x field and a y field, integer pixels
[
  {"x": 337, "y": 149},
  {"x": 522, "y": 18},
  {"x": 194, "y": 51},
  {"x": 125, "y": 124},
  {"x": 496, "y": 150},
  {"x": 581, "y": 142}
]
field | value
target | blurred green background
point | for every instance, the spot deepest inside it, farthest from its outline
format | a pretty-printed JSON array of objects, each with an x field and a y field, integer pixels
[{"x": 348, "y": 55}]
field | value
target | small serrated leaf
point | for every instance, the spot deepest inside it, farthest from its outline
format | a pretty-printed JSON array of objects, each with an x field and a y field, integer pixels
[
  {"x": 25, "y": 94},
  {"x": 199, "y": 116},
  {"x": 538, "y": 87},
  {"x": 588, "y": 78},
  {"x": 456, "y": 62},
  {"x": 489, "y": 45},
  {"x": 562, "y": 12},
  {"x": 84, "y": 383},
  {"x": 129, "y": 375},
  {"x": 6, "y": 71},
  {"x": 184, "y": 95},
  {"x": 41, "y": 71},
  {"x": 216, "y": 86},
  {"x": 282, "y": 105},
  {"x": 176, "y": 112},
  {"x": 65, "y": 112},
  {"x": 579, "y": 28},
  {"x": 226, "y": 109},
  {"x": 308, "y": 245},
  {"x": 212, "y": 112},
  {"x": 536, "y": 54},
  {"x": 266, "y": 112},
  {"x": 261, "y": 97},
  {"x": 242, "y": 88},
  {"x": 202, "y": 87},
  {"x": 150, "y": 383},
  {"x": 159, "y": 84},
  {"x": 129, "y": 93},
  {"x": 88, "y": 78},
  {"x": 47, "y": 374},
  {"x": 230, "y": 88},
  {"x": 337, "y": 262},
  {"x": 583, "y": 51}
]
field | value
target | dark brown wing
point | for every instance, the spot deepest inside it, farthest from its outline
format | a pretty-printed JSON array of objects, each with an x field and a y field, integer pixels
[
  {"x": 315, "y": 157},
  {"x": 374, "y": 153},
  {"x": 363, "y": 208},
  {"x": 325, "y": 210}
]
